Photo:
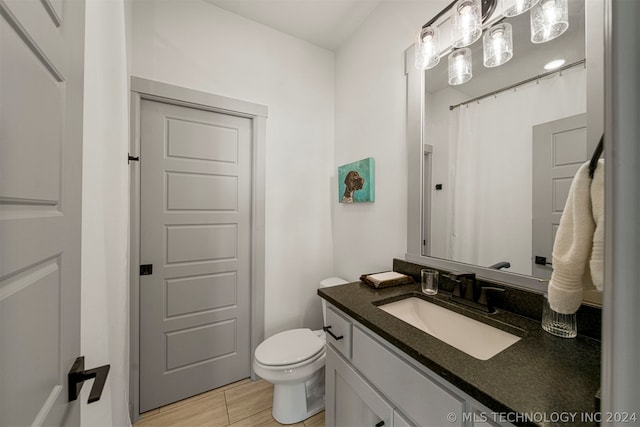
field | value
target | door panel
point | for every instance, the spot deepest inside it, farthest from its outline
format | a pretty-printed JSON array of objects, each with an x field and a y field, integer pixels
[
  {"x": 201, "y": 293},
  {"x": 190, "y": 140},
  {"x": 201, "y": 192},
  {"x": 195, "y": 230},
  {"x": 41, "y": 84},
  {"x": 193, "y": 243},
  {"x": 29, "y": 173},
  {"x": 194, "y": 345}
]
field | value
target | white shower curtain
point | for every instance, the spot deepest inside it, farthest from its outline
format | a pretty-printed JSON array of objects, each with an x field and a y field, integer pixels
[{"x": 491, "y": 168}]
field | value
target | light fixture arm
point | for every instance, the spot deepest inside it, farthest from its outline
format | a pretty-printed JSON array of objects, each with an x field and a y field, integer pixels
[{"x": 488, "y": 7}]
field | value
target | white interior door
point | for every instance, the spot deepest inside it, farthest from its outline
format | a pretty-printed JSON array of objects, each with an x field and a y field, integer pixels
[
  {"x": 41, "y": 87},
  {"x": 195, "y": 203},
  {"x": 560, "y": 147}
]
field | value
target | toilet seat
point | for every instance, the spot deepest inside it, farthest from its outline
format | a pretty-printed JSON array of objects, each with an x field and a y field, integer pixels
[
  {"x": 290, "y": 348},
  {"x": 309, "y": 362}
]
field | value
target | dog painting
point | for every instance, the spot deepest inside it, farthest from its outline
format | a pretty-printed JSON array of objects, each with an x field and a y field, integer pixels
[
  {"x": 356, "y": 181},
  {"x": 352, "y": 183}
]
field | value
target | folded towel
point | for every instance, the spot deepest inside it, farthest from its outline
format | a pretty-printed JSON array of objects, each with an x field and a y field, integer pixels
[
  {"x": 579, "y": 242},
  {"x": 387, "y": 275},
  {"x": 385, "y": 279}
]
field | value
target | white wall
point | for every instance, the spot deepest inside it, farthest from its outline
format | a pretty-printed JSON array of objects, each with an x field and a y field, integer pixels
[
  {"x": 105, "y": 291},
  {"x": 370, "y": 122},
  {"x": 193, "y": 44}
]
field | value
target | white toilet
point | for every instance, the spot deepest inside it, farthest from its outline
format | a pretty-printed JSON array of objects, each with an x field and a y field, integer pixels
[{"x": 293, "y": 361}]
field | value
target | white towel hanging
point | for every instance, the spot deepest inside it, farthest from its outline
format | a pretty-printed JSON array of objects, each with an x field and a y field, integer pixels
[{"x": 578, "y": 250}]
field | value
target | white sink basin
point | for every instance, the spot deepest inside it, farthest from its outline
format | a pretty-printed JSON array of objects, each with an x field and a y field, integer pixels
[{"x": 474, "y": 338}]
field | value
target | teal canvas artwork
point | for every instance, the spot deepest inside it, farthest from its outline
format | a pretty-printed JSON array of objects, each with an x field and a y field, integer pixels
[{"x": 356, "y": 181}]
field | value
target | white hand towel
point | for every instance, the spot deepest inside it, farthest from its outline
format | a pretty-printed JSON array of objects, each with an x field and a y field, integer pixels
[
  {"x": 386, "y": 276},
  {"x": 579, "y": 242}
]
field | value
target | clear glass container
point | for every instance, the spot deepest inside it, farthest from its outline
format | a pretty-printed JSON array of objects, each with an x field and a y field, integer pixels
[
  {"x": 549, "y": 19},
  {"x": 428, "y": 48},
  {"x": 497, "y": 45},
  {"x": 517, "y": 7},
  {"x": 460, "y": 68},
  {"x": 429, "y": 281},
  {"x": 466, "y": 16},
  {"x": 560, "y": 325}
]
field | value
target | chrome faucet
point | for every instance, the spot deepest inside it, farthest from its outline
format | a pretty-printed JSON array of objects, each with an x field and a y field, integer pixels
[{"x": 467, "y": 291}]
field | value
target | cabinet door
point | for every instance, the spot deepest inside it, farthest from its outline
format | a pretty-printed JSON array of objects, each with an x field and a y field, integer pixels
[
  {"x": 421, "y": 398},
  {"x": 400, "y": 421},
  {"x": 350, "y": 400}
]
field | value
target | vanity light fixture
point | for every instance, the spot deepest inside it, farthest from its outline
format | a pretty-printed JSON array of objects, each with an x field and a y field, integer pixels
[
  {"x": 460, "y": 68},
  {"x": 549, "y": 19},
  {"x": 517, "y": 7},
  {"x": 428, "y": 48},
  {"x": 556, "y": 63},
  {"x": 466, "y": 16},
  {"x": 497, "y": 45}
]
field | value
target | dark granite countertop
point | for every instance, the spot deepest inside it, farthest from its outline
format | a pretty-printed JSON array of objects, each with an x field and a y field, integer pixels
[{"x": 541, "y": 376}]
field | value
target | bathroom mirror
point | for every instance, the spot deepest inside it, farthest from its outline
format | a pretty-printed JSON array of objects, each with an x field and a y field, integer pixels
[{"x": 486, "y": 189}]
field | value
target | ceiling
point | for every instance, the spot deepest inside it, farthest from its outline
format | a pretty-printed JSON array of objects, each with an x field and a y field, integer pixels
[{"x": 325, "y": 23}]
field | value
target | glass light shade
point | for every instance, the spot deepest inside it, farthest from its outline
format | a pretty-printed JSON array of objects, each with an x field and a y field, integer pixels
[
  {"x": 517, "y": 7},
  {"x": 497, "y": 44},
  {"x": 460, "y": 69},
  {"x": 549, "y": 19},
  {"x": 428, "y": 48},
  {"x": 466, "y": 16},
  {"x": 419, "y": 59}
]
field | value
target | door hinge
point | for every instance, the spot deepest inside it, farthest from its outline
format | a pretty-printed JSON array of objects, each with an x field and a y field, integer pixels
[
  {"x": 146, "y": 269},
  {"x": 131, "y": 158},
  {"x": 77, "y": 376}
]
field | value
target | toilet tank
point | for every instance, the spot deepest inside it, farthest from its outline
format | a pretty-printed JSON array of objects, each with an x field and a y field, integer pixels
[{"x": 326, "y": 283}]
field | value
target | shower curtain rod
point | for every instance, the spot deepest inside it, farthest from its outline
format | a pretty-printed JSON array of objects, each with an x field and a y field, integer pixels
[{"x": 520, "y": 83}]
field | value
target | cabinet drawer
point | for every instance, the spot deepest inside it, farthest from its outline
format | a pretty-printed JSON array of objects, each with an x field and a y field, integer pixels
[
  {"x": 350, "y": 399},
  {"x": 420, "y": 398},
  {"x": 341, "y": 330}
]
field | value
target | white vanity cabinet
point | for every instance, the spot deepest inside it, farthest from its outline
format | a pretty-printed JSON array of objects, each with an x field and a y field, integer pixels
[
  {"x": 399, "y": 420},
  {"x": 350, "y": 399},
  {"x": 373, "y": 383},
  {"x": 338, "y": 331}
]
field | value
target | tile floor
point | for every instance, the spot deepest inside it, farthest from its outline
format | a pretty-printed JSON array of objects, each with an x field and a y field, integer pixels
[{"x": 245, "y": 403}]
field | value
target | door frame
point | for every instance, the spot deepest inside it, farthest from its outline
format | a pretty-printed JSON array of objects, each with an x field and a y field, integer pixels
[{"x": 144, "y": 89}]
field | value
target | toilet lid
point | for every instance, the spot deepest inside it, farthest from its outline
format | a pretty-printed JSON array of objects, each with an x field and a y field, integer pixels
[{"x": 289, "y": 347}]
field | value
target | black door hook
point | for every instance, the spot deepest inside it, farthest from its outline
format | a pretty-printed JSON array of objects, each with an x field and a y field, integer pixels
[{"x": 77, "y": 376}]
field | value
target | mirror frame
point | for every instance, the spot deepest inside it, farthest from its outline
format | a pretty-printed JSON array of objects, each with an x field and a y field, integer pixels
[{"x": 594, "y": 47}]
